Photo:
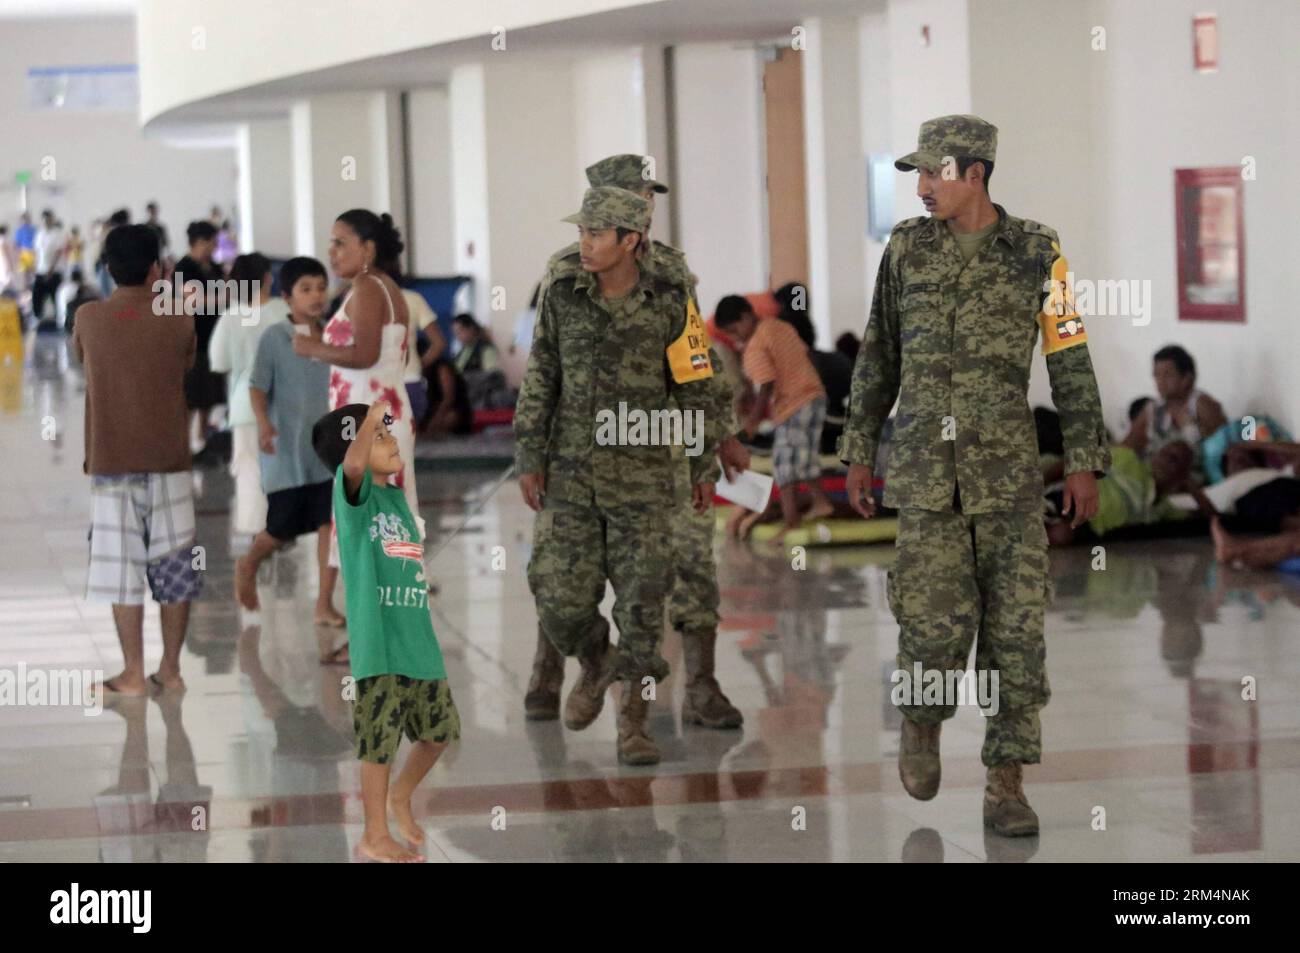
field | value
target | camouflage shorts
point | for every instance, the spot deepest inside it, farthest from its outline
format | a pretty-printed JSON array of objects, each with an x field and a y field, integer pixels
[{"x": 389, "y": 705}]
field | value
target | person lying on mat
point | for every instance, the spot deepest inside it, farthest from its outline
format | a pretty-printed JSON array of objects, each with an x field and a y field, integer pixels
[{"x": 1134, "y": 492}]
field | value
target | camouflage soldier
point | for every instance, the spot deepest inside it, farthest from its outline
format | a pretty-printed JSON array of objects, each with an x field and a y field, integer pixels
[
  {"x": 693, "y": 606},
  {"x": 610, "y": 340},
  {"x": 958, "y": 305}
]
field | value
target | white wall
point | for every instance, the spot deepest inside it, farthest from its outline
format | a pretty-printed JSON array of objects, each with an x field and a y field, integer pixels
[
  {"x": 609, "y": 108},
  {"x": 101, "y": 159},
  {"x": 836, "y": 179},
  {"x": 1182, "y": 119},
  {"x": 466, "y": 98},
  {"x": 531, "y": 162},
  {"x": 344, "y": 157},
  {"x": 265, "y": 198},
  {"x": 875, "y": 81},
  {"x": 718, "y": 176},
  {"x": 433, "y": 230},
  {"x": 927, "y": 81},
  {"x": 1051, "y": 177}
]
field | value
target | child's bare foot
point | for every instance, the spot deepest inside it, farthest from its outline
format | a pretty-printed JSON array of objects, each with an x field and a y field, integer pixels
[
  {"x": 338, "y": 656},
  {"x": 122, "y": 685},
  {"x": 407, "y": 825},
  {"x": 1224, "y": 548},
  {"x": 747, "y": 524},
  {"x": 246, "y": 584},
  {"x": 169, "y": 682},
  {"x": 329, "y": 617},
  {"x": 777, "y": 541},
  {"x": 820, "y": 510},
  {"x": 384, "y": 850},
  {"x": 734, "y": 522}
]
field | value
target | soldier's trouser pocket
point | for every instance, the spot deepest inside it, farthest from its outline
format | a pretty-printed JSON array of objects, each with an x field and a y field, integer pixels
[
  {"x": 934, "y": 598},
  {"x": 1011, "y": 554},
  {"x": 566, "y": 574}
]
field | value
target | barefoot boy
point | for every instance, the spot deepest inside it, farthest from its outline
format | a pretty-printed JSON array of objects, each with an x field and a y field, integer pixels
[
  {"x": 401, "y": 684},
  {"x": 289, "y": 394}
]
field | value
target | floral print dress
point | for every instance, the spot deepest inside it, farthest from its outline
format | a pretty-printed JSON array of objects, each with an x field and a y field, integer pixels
[{"x": 383, "y": 380}]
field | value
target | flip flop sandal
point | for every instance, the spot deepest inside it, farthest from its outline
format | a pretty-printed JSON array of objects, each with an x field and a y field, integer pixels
[
  {"x": 157, "y": 686},
  {"x": 109, "y": 690}
]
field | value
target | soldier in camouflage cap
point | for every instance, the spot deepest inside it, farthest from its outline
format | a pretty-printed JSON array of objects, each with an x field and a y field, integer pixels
[
  {"x": 628, "y": 171},
  {"x": 949, "y": 137},
  {"x": 608, "y": 206},
  {"x": 693, "y": 607},
  {"x": 958, "y": 305},
  {"x": 611, "y": 338}
]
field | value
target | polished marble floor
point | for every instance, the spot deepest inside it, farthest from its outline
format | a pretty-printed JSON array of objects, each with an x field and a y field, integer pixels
[{"x": 1151, "y": 752}]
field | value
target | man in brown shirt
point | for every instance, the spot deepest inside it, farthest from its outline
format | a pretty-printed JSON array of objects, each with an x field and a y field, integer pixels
[{"x": 135, "y": 351}]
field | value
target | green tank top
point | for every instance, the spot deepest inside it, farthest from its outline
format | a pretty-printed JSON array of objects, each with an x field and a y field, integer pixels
[{"x": 382, "y": 562}]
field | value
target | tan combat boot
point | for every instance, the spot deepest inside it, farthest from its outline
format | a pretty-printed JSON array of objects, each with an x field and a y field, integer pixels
[
  {"x": 542, "y": 702},
  {"x": 704, "y": 703},
  {"x": 587, "y": 697},
  {"x": 634, "y": 744},
  {"x": 918, "y": 759},
  {"x": 1006, "y": 809}
]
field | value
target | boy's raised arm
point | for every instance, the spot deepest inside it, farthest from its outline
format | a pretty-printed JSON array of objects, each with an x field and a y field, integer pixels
[{"x": 357, "y": 460}]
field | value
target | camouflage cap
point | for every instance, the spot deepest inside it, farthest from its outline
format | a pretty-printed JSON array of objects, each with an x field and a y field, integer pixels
[
  {"x": 606, "y": 206},
  {"x": 967, "y": 136},
  {"x": 627, "y": 171}
]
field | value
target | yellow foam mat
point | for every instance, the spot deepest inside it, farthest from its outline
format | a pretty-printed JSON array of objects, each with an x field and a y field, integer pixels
[
  {"x": 828, "y": 532},
  {"x": 830, "y": 464}
]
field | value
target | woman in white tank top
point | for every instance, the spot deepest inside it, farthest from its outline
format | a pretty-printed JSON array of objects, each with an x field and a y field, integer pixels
[{"x": 366, "y": 340}]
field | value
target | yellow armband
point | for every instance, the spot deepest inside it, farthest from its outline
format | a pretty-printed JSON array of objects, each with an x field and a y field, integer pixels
[
  {"x": 688, "y": 356},
  {"x": 1061, "y": 324}
]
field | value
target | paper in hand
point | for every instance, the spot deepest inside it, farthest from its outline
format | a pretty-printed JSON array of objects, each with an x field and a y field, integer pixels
[{"x": 750, "y": 490}]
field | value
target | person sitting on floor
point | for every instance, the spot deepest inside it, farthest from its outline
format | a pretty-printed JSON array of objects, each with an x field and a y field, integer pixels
[
  {"x": 1182, "y": 413},
  {"x": 777, "y": 361},
  {"x": 479, "y": 363}
]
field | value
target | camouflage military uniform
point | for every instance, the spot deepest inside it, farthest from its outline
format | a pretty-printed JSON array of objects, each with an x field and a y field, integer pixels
[
  {"x": 695, "y": 599},
  {"x": 954, "y": 342},
  {"x": 693, "y": 605},
  {"x": 608, "y": 509}
]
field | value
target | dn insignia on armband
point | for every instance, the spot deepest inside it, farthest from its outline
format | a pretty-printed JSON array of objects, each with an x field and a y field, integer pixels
[
  {"x": 688, "y": 356},
  {"x": 1061, "y": 324}
]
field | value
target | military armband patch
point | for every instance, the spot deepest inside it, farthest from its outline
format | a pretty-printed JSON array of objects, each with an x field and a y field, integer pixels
[
  {"x": 688, "y": 356},
  {"x": 1061, "y": 324}
]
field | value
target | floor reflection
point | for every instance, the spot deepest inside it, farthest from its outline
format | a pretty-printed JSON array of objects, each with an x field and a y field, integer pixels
[{"x": 1172, "y": 702}]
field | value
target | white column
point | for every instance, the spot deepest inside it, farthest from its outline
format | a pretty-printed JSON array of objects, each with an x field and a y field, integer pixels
[
  {"x": 472, "y": 254},
  {"x": 718, "y": 179},
  {"x": 609, "y": 107},
  {"x": 655, "y": 89},
  {"x": 265, "y": 158},
  {"x": 343, "y": 157},
  {"x": 836, "y": 178},
  {"x": 432, "y": 230}
]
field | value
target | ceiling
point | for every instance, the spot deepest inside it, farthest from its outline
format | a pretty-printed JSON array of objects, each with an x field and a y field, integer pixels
[
  {"x": 45, "y": 9},
  {"x": 695, "y": 21}
]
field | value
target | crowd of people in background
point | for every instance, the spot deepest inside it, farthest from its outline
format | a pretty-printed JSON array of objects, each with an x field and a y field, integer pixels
[{"x": 308, "y": 353}]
